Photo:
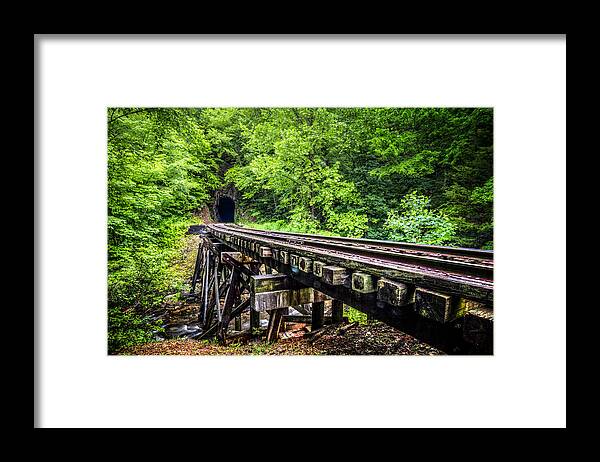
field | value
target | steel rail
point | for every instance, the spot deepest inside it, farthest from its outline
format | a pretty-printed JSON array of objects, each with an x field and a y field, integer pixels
[
  {"x": 385, "y": 250},
  {"x": 408, "y": 246},
  {"x": 455, "y": 279}
]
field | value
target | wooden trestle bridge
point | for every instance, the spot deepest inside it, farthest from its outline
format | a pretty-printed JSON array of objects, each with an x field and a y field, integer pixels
[{"x": 440, "y": 295}]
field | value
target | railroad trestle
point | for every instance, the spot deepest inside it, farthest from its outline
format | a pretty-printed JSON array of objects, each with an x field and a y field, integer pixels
[{"x": 440, "y": 295}]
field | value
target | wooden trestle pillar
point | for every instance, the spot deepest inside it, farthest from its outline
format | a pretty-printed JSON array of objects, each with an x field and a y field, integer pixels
[
  {"x": 228, "y": 283},
  {"x": 337, "y": 311},
  {"x": 318, "y": 315}
]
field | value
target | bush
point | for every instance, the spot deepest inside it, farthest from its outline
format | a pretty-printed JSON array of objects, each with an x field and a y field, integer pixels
[
  {"x": 354, "y": 315},
  {"x": 126, "y": 329},
  {"x": 141, "y": 279},
  {"x": 415, "y": 222}
]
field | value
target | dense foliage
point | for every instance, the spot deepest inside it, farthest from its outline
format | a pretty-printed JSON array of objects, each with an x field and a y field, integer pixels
[
  {"x": 350, "y": 171},
  {"x": 418, "y": 174},
  {"x": 160, "y": 168}
]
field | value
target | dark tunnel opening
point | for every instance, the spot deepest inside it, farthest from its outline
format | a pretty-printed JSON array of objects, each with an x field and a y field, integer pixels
[{"x": 225, "y": 210}]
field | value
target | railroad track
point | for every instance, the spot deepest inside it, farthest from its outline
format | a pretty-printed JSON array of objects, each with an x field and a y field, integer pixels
[{"x": 457, "y": 270}]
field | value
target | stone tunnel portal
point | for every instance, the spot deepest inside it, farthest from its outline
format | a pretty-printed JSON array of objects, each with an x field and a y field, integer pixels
[{"x": 225, "y": 209}]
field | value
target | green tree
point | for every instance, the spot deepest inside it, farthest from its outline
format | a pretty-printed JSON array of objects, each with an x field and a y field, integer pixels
[
  {"x": 160, "y": 168},
  {"x": 416, "y": 222}
]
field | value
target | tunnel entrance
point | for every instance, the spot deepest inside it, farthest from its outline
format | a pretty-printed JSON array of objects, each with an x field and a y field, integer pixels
[{"x": 225, "y": 209}]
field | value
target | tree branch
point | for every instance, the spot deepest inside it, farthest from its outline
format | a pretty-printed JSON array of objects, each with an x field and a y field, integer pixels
[{"x": 131, "y": 112}]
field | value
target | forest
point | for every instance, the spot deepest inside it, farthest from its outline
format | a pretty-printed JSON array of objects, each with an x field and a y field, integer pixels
[{"x": 422, "y": 175}]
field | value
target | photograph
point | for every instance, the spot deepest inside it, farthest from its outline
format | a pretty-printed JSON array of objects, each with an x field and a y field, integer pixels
[
  {"x": 300, "y": 231},
  {"x": 374, "y": 225}
]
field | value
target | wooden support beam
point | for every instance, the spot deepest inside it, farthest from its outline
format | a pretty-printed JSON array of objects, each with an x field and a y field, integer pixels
[
  {"x": 275, "y": 318},
  {"x": 237, "y": 256},
  {"x": 285, "y": 312},
  {"x": 305, "y": 264},
  {"x": 260, "y": 283},
  {"x": 284, "y": 257},
  {"x": 302, "y": 309},
  {"x": 478, "y": 330},
  {"x": 363, "y": 283},
  {"x": 197, "y": 267},
  {"x": 318, "y": 315},
  {"x": 318, "y": 268},
  {"x": 242, "y": 268},
  {"x": 294, "y": 260},
  {"x": 254, "y": 320},
  {"x": 284, "y": 298},
  {"x": 334, "y": 275},
  {"x": 337, "y": 311},
  {"x": 395, "y": 293},
  {"x": 232, "y": 295},
  {"x": 465, "y": 305},
  {"x": 434, "y": 305},
  {"x": 265, "y": 252},
  {"x": 205, "y": 290}
]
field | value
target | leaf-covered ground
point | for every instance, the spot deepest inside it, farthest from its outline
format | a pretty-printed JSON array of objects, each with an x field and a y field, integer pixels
[{"x": 373, "y": 338}]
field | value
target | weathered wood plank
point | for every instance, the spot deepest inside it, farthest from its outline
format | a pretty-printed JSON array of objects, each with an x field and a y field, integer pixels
[
  {"x": 231, "y": 296},
  {"x": 284, "y": 298},
  {"x": 478, "y": 330},
  {"x": 254, "y": 320},
  {"x": 434, "y": 305},
  {"x": 294, "y": 260},
  {"x": 363, "y": 283},
  {"x": 305, "y": 264},
  {"x": 269, "y": 282},
  {"x": 265, "y": 252},
  {"x": 302, "y": 309},
  {"x": 395, "y": 293},
  {"x": 334, "y": 275},
  {"x": 318, "y": 268},
  {"x": 275, "y": 318},
  {"x": 197, "y": 266},
  {"x": 237, "y": 256},
  {"x": 465, "y": 305},
  {"x": 284, "y": 257},
  {"x": 284, "y": 312},
  {"x": 337, "y": 311},
  {"x": 318, "y": 315}
]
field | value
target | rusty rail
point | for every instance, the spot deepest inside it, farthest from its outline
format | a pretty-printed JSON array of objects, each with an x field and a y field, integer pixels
[
  {"x": 460, "y": 271},
  {"x": 468, "y": 261}
]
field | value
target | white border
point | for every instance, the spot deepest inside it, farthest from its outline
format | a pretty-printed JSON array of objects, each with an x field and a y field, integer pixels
[{"x": 522, "y": 385}]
